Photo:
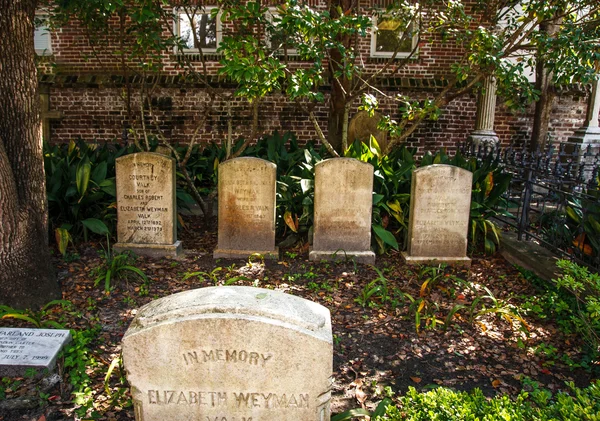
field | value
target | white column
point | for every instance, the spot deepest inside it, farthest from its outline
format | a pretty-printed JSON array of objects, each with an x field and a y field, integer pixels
[
  {"x": 586, "y": 139},
  {"x": 484, "y": 133},
  {"x": 594, "y": 105},
  {"x": 590, "y": 132}
]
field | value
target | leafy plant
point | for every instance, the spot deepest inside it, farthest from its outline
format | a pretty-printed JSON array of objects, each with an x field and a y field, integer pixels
[
  {"x": 376, "y": 289},
  {"x": 584, "y": 315},
  {"x": 115, "y": 265},
  {"x": 78, "y": 362},
  {"x": 391, "y": 187},
  {"x": 446, "y": 404},
  {"x": 80, "y": 182},
  {"x": 36, "y": 318},
  {"x": 212, "y": 275}
]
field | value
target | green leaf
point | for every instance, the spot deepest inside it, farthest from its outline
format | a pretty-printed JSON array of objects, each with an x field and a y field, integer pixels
[
  {"x": 573, "y": 215},
  {"x": 380, "y": 410},
  {"x": 21, "y": 317},
  {"x": 385, "y": 236},
  {"x": 134, "y": 270},
  {"x": 82, "y": 177},
  {"x": 99, "y": 173},
  {"x": 352, "y": 413},
  {"x": 52, "y": 323},
  {"x": 109, "y": 187},
  {"x": 96, "y": 226},
  {"x": 62, "y": 237}
]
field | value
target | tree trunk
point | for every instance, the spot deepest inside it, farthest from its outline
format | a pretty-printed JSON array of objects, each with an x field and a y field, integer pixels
[
  {"x": 339, "y": 86},
  {"x": 543, "y": 83},
  {"x": 27, "y": 278}
]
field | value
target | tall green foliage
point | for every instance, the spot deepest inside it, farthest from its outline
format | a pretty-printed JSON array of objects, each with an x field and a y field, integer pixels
[{"x": 80, "y": 180}]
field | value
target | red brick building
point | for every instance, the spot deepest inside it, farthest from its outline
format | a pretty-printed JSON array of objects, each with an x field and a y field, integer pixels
[{"x": 85, "y": 86}]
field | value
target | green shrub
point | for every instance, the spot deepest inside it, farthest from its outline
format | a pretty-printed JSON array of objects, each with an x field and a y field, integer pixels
[
  {"x": 80, "y": 183},
  {"x": 443, "y": 404},
  {"x": 584, "y": 311},
  {"x": 81, "y": 186}
]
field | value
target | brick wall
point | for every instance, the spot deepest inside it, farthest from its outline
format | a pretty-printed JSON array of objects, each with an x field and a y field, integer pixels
[
  {"x": 86, "y": 85},
  {"x": 97, "y": 112}
]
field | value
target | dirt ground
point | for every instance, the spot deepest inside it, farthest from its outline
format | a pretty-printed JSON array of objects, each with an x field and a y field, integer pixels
[{"x": 375, "y": 345}]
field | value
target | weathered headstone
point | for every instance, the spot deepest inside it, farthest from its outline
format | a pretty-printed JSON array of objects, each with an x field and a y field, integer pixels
[
  {"x": 146, "y": 205},
  {"x": 25, "y": 349},
  {"x": 362, "y": 127},
  {"x": 230, "y": 353},
  {"x": 440, "y": 204},
  {"x": 246, "y": 208},
  {"x": 343, "y": 206}
]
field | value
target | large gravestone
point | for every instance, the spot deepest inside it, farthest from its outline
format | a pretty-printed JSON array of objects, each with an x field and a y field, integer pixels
[
  {"x": 146, "y": 205},
  {"x": 246, "y": 208},
  {"x": 440, "y": 204},
  {"x": 362, "y": 127},
  {"x": 230, "y": 353},
  {"x": 343, "y": 206},
  {"x": 25, "y": 349}
]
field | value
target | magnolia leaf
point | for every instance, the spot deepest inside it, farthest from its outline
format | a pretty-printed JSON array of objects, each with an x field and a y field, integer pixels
[
  {"x": 82, "y": 176},
  {"x": 62, "y": 237},
  {"x": 289, "y": 221},
  {"x": 96, "y": 226},
  {"x": 385, "y": 236},
  {"x": 489, "y": 183},
  {"x": 573, "y": 215}
]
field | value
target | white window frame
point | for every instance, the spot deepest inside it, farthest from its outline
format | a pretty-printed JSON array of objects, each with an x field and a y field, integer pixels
[
  {"x": 38, "y": 32},
  {"x": 271, "y": 12},
  {"x": 206, "y": 10},
  {"x": 388, "y": 54}
]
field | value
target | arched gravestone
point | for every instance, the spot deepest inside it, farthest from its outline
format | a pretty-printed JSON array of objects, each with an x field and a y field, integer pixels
[
  {"x": 246, "y": 208},
  {"x": 230, "y": 353},
  {"x": 146, "y": 205},
  {"x": 440, "y": 204},
  {"x": 343, "y": 207}
]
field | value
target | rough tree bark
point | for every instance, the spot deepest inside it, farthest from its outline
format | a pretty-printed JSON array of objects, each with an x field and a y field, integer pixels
[
  {"x": 338, "y": 118},
  {"x": 543, "y": 83},
  {"x": 27, "y": 278}
]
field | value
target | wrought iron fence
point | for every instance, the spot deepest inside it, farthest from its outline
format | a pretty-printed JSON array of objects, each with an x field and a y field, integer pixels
[{"x": 553, "y": 198}]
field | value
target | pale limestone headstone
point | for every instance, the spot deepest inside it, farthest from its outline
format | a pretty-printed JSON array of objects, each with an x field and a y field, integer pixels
[
  {"x": 343, "y": 206},
  {"x": 24, "y": 349},
  {"x": 230, "y": 353},
  {"x": 362, "y": 127},
  {"x": 146, "y": 205},
  {"x": 440, "y": 204},
  {"x": 246, "y": 208}
]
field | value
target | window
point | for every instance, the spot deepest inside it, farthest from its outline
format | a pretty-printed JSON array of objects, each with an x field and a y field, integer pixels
[
  {"x": 390, "y": 34},
  {"x": 207, "y": 29},
  {"x": 277, "y": 38},
  {"x": 41, "y": 36}
]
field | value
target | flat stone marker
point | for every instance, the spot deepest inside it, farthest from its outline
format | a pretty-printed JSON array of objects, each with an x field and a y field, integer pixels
[
  {"x": 146, "y": 205},
  {"x": 230, "y": 353},
  {"x": 343, "y": 206},
  {"x": 246, "y": 209},
  {"x": 23, "y": 349},
  {"x": 440, "y": 204}
]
